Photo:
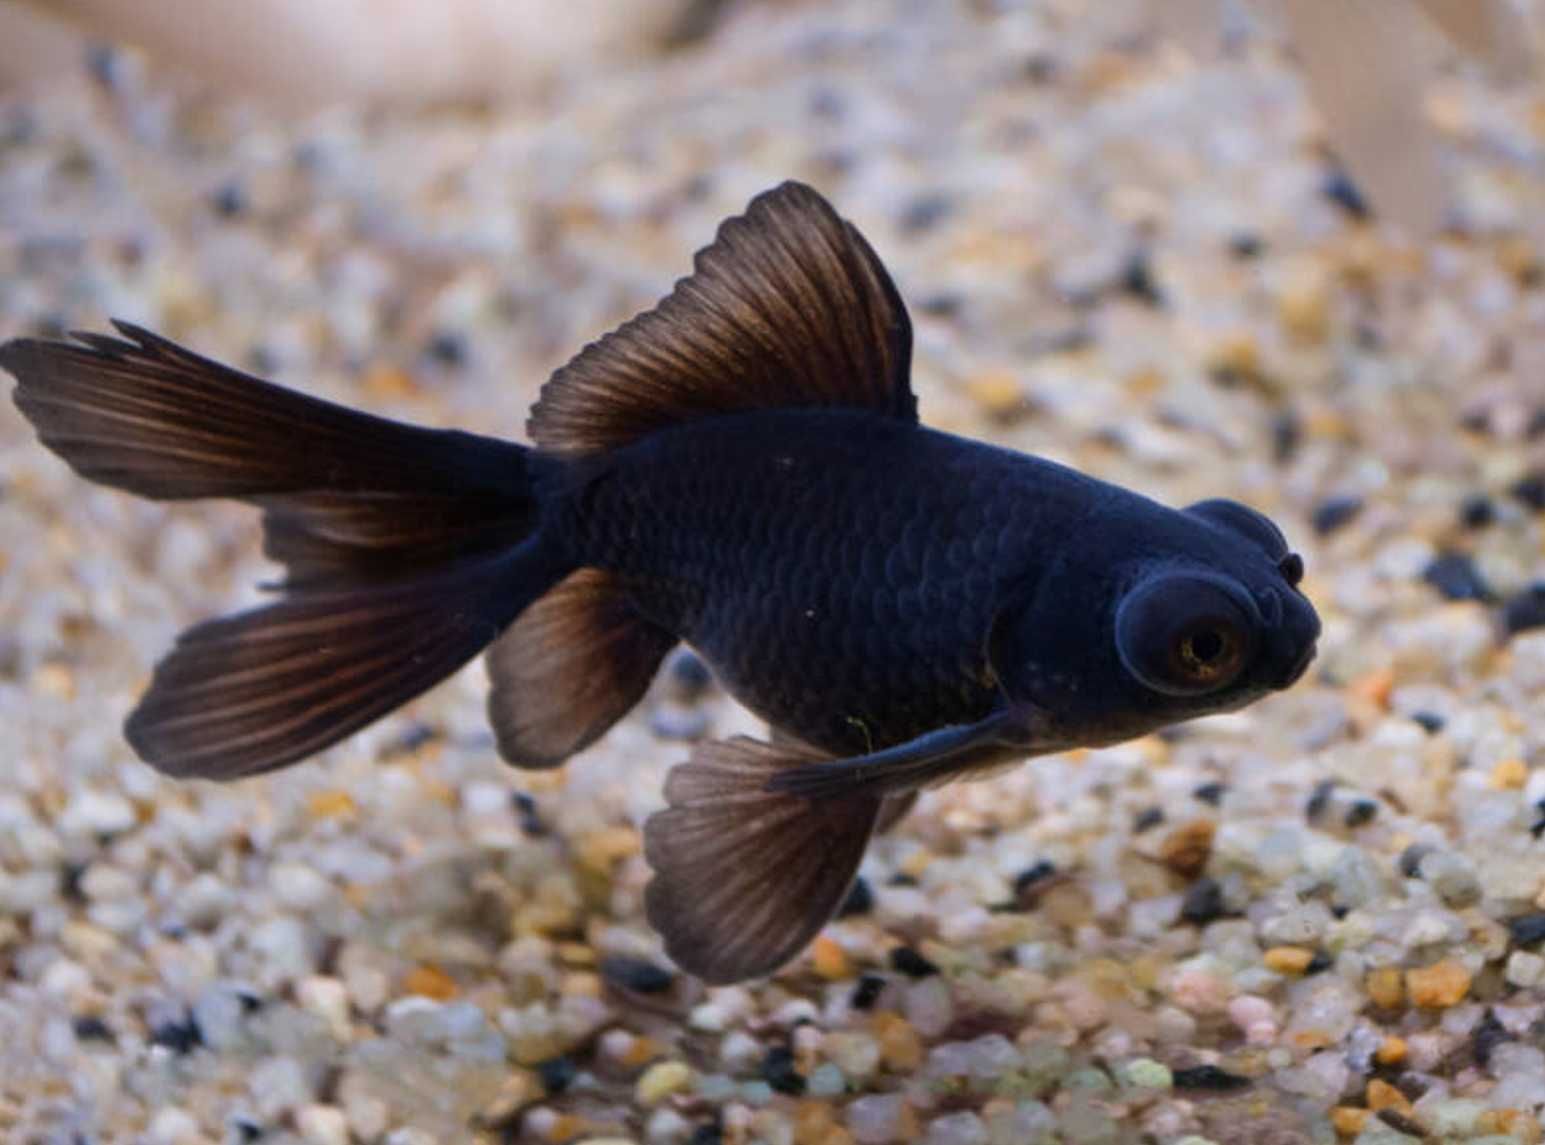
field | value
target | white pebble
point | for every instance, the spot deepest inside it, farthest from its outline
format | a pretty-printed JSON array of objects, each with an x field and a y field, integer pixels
[
  {"x": 205, "y": 900},
  {"x": 327, "y": 999},
  {"x": 278, "y": 1085},
  {"x": 929, "y": 1007},
  {"x": 957, "y": 1129},
  {"x": 1525, "y": 969},
  {"x": 91, "y": 812},
  {"x": 105, "y": 882},
  {"x": 65, "y": 979},
  {"x": 284, "y": 949},
  {"x": 298, "y": 887},
  {"x": 323, "y": 1125},
  {"x": 878, "y": 1119},
  {"x": 174, "y": 1126}
]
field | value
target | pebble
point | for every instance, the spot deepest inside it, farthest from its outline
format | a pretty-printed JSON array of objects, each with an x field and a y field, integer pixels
[
  {"x": 957, "y": 1129},
  {"x": 97, "y": 813},
  {"x": 322, "y": 1125},
  {"x": 1438, "y": 986},
  {"x": 661, "y": 1080},
  {"x": 328, "y": 999},
  {"x": 881, "y": 1119},
  {"x": 278, "y": 1086}
]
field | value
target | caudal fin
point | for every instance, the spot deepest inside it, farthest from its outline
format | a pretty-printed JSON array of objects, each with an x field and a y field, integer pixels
[
  {"x": 407, "y": 550},
  {"x": 744, "y": 877}
]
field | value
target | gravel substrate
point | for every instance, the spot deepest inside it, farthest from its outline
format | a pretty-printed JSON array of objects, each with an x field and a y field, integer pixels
[{"x": 1321, "y": 917}]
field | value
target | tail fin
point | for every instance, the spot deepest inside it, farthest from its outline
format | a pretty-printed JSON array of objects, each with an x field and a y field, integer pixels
[{"x": 407, "y": 550}]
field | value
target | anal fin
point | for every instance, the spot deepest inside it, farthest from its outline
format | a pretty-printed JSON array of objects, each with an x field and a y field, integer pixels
[
  {"x": 745, "y": 877},
  {"x": 569, "y": 668}
]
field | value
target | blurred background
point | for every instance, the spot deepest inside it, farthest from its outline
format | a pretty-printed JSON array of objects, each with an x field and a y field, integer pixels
[{"x": 1287, "y": 252}]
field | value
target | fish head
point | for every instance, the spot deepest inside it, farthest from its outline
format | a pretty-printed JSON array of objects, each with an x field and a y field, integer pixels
[{"x": 1161, "y": 616}]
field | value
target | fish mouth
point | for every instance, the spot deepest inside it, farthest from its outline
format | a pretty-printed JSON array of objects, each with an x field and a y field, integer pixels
[{"x": 1299, "y": 666}]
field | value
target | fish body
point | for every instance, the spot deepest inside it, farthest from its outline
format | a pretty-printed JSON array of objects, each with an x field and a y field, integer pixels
[{"x": 742, "y": 469}]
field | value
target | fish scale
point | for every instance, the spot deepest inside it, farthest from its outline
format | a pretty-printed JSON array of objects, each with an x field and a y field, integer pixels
[{"x": 903, "y": 575}]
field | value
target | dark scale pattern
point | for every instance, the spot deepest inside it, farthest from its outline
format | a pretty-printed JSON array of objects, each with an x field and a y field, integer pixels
[{"x": 840, "y": 571}]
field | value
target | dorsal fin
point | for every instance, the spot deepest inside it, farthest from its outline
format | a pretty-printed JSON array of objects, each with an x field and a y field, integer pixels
[{"x": 787, "y": 307}]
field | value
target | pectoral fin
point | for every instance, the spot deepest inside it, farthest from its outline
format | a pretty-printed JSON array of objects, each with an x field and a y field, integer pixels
[
  {"x": 930, "y": 759},
  {"x": 744, "y": 876}
]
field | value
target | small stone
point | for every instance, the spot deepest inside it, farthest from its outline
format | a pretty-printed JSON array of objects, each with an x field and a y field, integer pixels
[
  {"x": 1147, "y": 819},
  {"x": 825, "y": 1081},
  {"x": 909, "y": 962},
  {"x": 1186, "y": 849},
  {"x": 1438, "y": 986},
  {"x": 1525, "y": 969},
  {"x": 1527, "y": 929},
  {"x": 1360, "y": 812},
  {"x": 97, "y": 813},
  {"x": 328, "y": 999},
  {"x": 1453, "y": 877},
  {"x": 181, "y": 1037},
  {"x": 1340, "y": 190},
  {"x": 881, "y": 1119},
  {"x": 1348, "y": 1120},
  {"x": 1509, "y": 774},
  {"x": 429, "y": 981},
  {"x": 174, "y": 1126},
  {"x": 322, "y": 1125},
  {"x": 1524, "y": 611},
  {"x": 1455, "y": 576},
  {"x": 1381, "y": 1095},
  {"x": 1392, "y": 1051},
  {"x": 1209, "y": 1077},
  {"x": 829, "y": 959},
  {"x": 855, "y": 1053},
  {"x": 900, "y": 1047},
  {"x": 1530, "y": 490},
  {"x": 1333, "y": 513},
  {"x": 957, "y": 1129},
  {"x": 90, "y": 1028},
  {"x": 1288, "y": 959},
  {"x": 779, "y": 1072},
  {"x": 299, "y": 887},
  {"x": 1210, "y": 793},
  {"x": 929, "y": 1006},
  {"x": 661, "y": 1080},
  {"x": 860, "y": 899},
  {"x": 1203, "y": 902},
  {"x": 1386, "y": 987},
  {"x": 636, "y": 974},
  {"x": 278, "y": 1085},
  {"x": 1145, "y": 1073},
  {"x": 1486, "y": 1036},
  {"x": 867, "y": 992},
  {"x": 1476, "y": 511}
]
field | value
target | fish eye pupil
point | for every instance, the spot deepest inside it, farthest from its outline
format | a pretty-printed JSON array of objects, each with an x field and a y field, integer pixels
[
  {"x": 1206, "y": 646},
  {"x": 1292, "y": 568}
]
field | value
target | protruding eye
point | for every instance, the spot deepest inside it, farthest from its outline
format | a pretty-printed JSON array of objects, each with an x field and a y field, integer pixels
[
  {"x": 1292, "y": 568},
  {"x": 1183, "y": 635},
  {"x": 1243, "y": 521}
]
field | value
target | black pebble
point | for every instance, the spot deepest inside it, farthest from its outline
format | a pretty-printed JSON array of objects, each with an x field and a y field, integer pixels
[
  {"x": 1041, "y": 68},
  {"x": 1147, "y": 819},
  {"x": 1319, "y": 963},
  {"x": 557, "y": 1074},
  {"x": 90, "y": 1028},
  {"x": 1287, "y": 433},
  {"x": 229, "y": 201},
  {"x": 1037, "y": 872},
  {"x": 1536, "y": 426},
  {"x": 1208, "y": 1077},
  {"x": 1339, "y": 189},
  {"x": 1138, "y": 281},
  {"x": 909, "y": 962},
  {"x": 860, "y": 899},
  {"x": 448, "y": 348},
  {"x": 925, "y": 212},
  {"x": 1524, "y": 611},
  {"x": 1530, "y": 489},
  {"x": 1203, "y": 902},
  {"x": 778, "y": 1071},
  {"x": 1430, "y": 722},
  {"x": 1477, "y": 511},
  {"x": 1402, "y": 1124},
  {"x": 709, "y": 1133},
  {"x": 1410, "y": 863},
  {"x": 636, "y": 974},
  {"x": 179, "y": 1037},
  {"x": 1456, "y": 577},
  {"x": 1319, "y": 799},
  {"x": 417, "y": 736},
  {"x": 250, "y": 1002},
  {"x": 867, "y": 992},
  {"x": 1360, "y": 812},
  {"x": 1527, "y": 929},
  {"x": 525, "y": 808},
  {"x": 246, "y": 1130},
  {"x": 1246, "y": 246},
  {"x": 69, "y": 884},
  {"x": 1334, "y": 512},
  {"x": 1210, "y": 793},
  {"x": 1487, "y": 1035}
]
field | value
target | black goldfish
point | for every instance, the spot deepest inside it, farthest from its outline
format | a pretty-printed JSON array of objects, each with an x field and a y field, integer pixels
[{"x": 740, "y": 468}]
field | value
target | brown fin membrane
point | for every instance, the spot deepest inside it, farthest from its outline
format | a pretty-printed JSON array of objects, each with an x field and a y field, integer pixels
[
  {"x": 256, "y": 691},
  {"x": 894, "y": 810},
  {"x": 569, "y": 668},
  {"x": 347, "y": 495},
  {"x": 744, "y": 877},
  {"x": 788, "y": 307}
]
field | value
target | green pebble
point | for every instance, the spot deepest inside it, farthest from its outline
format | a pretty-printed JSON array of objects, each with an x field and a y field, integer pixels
[
  {"x": 1195, "y": 1140},
  {"x": 1089, "y": 1079},
  {"x": 1145, "y": 1073}
]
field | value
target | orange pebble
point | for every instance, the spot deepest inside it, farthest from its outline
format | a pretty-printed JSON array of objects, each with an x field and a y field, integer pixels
[
  {"x": 332, "y": 805},
  {"x": 1349, "y": 1121},
  {"x": 1392, "y": 1051},
  {"x": 1375, "y": 687},
  {"x": 1382, "y": 1095},
  {"x": 429, "y": 981},
  {"x": 830, "y": 960}
]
